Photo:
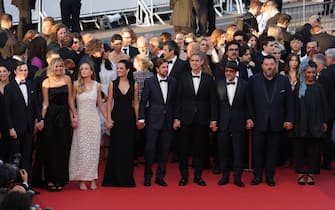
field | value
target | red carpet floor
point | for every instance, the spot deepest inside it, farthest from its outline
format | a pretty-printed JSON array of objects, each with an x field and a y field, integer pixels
[{"x": 287, "y": 195}]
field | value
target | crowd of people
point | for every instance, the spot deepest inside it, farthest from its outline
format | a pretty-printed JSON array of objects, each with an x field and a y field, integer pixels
[{"x": 66, "y": 98}]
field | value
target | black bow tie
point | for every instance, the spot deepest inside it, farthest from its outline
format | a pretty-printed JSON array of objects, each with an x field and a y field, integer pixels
[
  {"x": 170, "y": 62},
  {"x": 163, "y": 80},
  {"x": 194, "y": 76},
  {"x": 22, "y": 82},
  {"x": 230, "y": 83}
]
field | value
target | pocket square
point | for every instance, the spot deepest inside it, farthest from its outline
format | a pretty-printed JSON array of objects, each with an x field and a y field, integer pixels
[{"x": 283, "y": 91}]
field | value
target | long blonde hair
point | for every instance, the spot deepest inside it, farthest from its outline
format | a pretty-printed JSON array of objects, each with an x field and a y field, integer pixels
[
  {"x": 81, "y": 84},
  {"x": 52, "y": 65}
]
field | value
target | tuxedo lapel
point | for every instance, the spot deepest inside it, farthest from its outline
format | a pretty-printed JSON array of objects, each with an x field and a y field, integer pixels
[
  {"x": 20, "y": 94},
  {"x": 275, "y": 85},
  {"x": 169, "y": 90},
  {"x": 190, "y": 81},
  {"x": 202, "y": 78},
  {"x": 236, "y": 92},
  {"x": 158, "y": 86}
]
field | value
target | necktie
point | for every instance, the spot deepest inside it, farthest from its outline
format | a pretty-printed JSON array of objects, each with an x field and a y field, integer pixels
[
  {"x": 22, "y": 82},
  {"x": 163, "y": 80},
  {"x": 125, "y": 51},
  {"x": 230, "y": 83}
]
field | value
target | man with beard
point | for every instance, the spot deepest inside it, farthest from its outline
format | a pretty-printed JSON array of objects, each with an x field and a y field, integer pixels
[{"x": 271, "y": 111}]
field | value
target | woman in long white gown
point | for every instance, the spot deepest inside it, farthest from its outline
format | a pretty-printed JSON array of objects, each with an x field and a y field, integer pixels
[{"x": 84, "y": 155}]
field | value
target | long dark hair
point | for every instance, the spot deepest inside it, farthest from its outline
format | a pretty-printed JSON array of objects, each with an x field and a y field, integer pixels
[
  {"x": 287, "y": 63},
  {"x": 38, "y": 48}
]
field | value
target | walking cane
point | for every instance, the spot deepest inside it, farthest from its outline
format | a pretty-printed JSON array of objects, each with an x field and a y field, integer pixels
[{"x": 250, "y": 152}]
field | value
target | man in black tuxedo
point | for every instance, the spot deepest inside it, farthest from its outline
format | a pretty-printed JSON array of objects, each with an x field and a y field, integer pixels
[
  {"x": 231, "y": 54},
  {"x": 196, "y": 113},
  {"x": 126, "y": 44},
  {"x": 271, "y": 109},
  {"x": 232, "y": 94},
  {"x": 160, "y": 93},
  {"x": 21, "y": 107},
  {"x": 177, "y": 67}
]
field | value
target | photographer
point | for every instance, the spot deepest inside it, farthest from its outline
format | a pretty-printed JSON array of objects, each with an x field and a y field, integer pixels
[{"x": 13, "y": 179}]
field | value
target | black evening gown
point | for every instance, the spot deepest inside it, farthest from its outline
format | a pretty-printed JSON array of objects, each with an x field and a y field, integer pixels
[
  {"x": 119, "y": 170},
  {"x": 4, "y": 140},
  {"x": 53, "y": 144}
]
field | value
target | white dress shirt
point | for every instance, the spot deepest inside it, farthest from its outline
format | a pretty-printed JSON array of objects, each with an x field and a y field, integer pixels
[
  {"x": 164, "y": 86},
  {"x": 196, "y": 81},
  {"x": 24, "y": 91},
  {"x": 171, "y": 64},
  {"x": 125, "y": 50},
  {"x": 231, "y": 89}
]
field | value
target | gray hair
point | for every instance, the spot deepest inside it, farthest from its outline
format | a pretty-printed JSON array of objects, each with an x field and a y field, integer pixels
[
  {"x": 320, "y": 58},
  {"x": 330, "y": 53}
]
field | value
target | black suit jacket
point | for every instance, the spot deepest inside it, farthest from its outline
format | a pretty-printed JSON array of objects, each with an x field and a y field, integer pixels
[
  {"x": 219, "y": 72},
  {"x": 232, "y": 117},
  {"x": 275, "y": 110},
  {"x": 158, "y": 111},
  {"x": 202, "y": 105},
  {"x": 327, "y": 79},
  {"x": 19, "y": 115},
  {"x": 133, "y": 51},
  {"x": 179, "y": 68}
]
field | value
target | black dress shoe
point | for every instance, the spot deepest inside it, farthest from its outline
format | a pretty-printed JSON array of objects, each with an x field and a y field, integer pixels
[
  {"x": 256, "y": 181},
  {"x": 161, "y": 182},
  {"x": 270, "y": 181},
  {"x": 238, "y": 182},
  {"x": 147, "y": 182},
  {"x": 224, "y": 180},
  {"x": 199, "y": 181},
  {"x": 183, "y": 182}
]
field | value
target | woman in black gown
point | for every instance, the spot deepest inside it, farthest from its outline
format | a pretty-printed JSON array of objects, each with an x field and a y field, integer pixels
[
  {"x": 54, "y": 142},
  {"x": 310, "y": 125},
  {"x": 122, "y": 96},
  {"x": 4, "y": 80}
]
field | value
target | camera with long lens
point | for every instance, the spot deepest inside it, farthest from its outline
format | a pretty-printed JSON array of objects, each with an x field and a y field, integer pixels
[{"x": 14, "y": 167}]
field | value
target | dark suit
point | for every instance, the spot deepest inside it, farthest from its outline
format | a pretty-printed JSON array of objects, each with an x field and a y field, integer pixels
[
  {"x": 269, "y": 111},
  {"x": 159, "y": 120},
  {"x": 70, "y": 11},
  {"x": 195, "y": 111},
  {"x": 220, "y": 70},
  {"x": 131, "y": 51},
  {"x": 179, "y": 68},
  {"x": 21, "y": 117},
  {"x": 231, "y": 124},
  {"x": 326, "y": 78}
]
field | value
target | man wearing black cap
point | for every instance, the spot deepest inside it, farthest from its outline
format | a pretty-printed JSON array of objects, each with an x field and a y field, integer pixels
[{"x": 232, "y": 123}]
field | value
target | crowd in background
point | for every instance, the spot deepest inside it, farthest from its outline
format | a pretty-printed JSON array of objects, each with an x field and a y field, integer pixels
[{"x": 68, "y": 100}]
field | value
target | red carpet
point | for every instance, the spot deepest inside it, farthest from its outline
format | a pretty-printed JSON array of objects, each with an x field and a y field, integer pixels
[{"x": 286, "y": 195}]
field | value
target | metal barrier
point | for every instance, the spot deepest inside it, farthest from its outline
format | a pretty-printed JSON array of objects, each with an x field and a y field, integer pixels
[{"x": 301, "y": 13}]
